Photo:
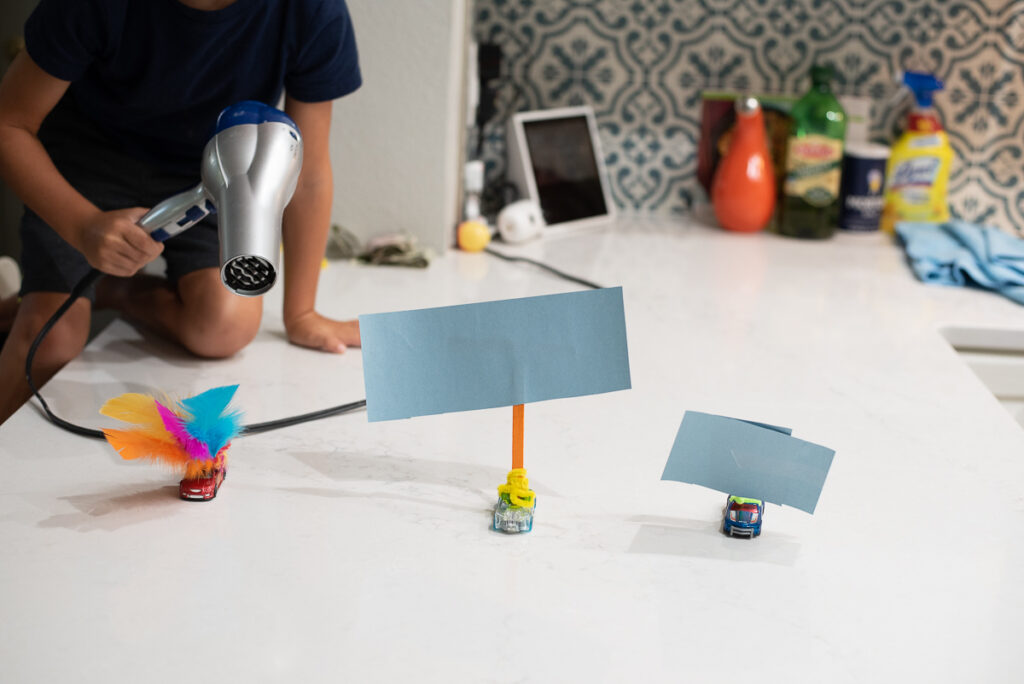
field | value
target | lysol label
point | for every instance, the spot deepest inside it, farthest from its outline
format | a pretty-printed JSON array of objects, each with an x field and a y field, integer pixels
[{"x": 920, "y": 171}]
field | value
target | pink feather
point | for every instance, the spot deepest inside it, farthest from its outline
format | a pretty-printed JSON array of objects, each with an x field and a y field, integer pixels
[{"x": 196, "y": 450}]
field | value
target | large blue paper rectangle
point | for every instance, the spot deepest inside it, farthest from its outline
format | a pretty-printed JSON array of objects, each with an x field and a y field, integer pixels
[
  {"x": 749, "y": 460},
  {"x": 476, "y": 356}
]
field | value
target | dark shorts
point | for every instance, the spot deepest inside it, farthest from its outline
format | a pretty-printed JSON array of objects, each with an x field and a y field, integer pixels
[{"x": 111, "y": 179}]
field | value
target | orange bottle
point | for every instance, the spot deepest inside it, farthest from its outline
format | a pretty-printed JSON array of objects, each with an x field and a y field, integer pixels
[{"x": 743, "y": 190}]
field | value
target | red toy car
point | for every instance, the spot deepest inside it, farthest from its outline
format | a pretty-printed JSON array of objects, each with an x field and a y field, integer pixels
[{"x": 202, "y": 488}]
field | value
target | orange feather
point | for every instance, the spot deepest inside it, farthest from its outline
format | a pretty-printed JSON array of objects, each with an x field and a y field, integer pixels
[{"x": 133, "y": 444}]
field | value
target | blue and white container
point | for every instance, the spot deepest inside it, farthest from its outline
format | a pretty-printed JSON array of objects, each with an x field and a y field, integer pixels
[{"x": 861, "y": 190}]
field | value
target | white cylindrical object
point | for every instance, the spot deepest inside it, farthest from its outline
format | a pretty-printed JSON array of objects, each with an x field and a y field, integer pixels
[
  {"x": 474, "y": 176},
  {"x": 520, "y": 221}
]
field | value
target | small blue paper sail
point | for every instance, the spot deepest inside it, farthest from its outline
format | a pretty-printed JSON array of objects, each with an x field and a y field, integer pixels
[
  {"x": 746, "y": 459},
  {"x": 503, "y": 353}
]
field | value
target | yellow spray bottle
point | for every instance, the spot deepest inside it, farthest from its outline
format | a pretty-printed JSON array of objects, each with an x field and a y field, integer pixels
[{"x": 918, "y": 171}]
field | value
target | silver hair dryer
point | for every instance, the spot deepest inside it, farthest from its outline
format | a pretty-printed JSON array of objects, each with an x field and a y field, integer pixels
[{"x": 249, "y": 171}]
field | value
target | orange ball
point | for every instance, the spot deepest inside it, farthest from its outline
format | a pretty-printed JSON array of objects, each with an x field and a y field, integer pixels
[{"x": 473, "y": 236}]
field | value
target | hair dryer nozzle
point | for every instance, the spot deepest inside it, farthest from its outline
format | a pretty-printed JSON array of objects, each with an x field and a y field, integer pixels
[{"x": 249, "y": 275}]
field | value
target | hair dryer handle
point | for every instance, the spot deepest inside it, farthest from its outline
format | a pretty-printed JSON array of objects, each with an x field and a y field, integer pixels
[{"x": 176, "y": 214}]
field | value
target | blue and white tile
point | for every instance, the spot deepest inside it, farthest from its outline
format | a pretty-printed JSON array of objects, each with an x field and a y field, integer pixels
[{"x": 642, "y": 65}]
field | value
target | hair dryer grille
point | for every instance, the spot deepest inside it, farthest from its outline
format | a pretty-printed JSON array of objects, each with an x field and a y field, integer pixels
[{"x": 249, "y": 275}]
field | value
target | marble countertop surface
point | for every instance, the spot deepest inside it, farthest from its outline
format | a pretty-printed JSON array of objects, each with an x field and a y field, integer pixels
[{"x": 348, "y": 551}]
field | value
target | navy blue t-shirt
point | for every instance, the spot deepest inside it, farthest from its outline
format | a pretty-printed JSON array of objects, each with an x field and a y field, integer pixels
[{"x": 154, "y": 74}]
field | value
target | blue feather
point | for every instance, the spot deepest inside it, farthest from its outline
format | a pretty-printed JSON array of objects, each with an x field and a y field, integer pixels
[{"x": 207, "y": 420}]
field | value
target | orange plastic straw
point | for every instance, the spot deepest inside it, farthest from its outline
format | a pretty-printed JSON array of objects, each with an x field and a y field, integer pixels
[{"x": 517, "y": 436}]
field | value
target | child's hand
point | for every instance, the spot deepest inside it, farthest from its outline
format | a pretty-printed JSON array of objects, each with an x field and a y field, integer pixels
[
  {"x": 113, "y": 242},
  {"x": 318, "y": 332}
]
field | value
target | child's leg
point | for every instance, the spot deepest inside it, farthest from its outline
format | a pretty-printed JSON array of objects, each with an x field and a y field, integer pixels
[
  {"x": 8, "y": 309},
  {"x": 62, "y": 344},
  {"x": 201, "y": 314}
]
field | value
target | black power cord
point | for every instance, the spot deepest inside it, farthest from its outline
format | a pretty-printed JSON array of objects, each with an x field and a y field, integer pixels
[
  {"x": 91, "y": 277},
  {"x": 257, "y": 428},
  {"x": 550, "y": 269}
]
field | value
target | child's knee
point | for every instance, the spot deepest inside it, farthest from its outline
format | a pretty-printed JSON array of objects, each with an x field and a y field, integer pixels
[
  {"x": 222, "y": 331},
  {"x": 219, "y": 344}
]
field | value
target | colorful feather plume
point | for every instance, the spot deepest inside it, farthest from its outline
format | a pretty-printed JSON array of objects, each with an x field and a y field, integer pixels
[{"x": 191, "y": 435}]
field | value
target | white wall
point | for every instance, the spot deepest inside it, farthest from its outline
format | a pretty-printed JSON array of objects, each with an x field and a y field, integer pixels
[{"x": 396, "y": 143}]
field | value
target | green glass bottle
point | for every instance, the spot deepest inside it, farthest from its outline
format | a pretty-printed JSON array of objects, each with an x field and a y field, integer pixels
[{"x": 814, "y": 156}]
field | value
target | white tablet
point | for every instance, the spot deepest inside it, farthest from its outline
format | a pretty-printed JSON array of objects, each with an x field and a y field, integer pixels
[{"x": 555, "y": 160}]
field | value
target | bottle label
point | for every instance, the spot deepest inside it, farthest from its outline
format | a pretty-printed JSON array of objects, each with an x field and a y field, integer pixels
[
  {"x": 813, "y": 169},
  {"x": 860, "y": 193},
  {"x": 920, "y": 171}
]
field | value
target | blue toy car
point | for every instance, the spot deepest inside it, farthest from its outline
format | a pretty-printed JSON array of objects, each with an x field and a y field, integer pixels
[{"x": 742, "y": 517}]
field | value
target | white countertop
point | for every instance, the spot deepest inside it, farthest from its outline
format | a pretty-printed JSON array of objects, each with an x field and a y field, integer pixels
[{"x": 349, "y": 551}]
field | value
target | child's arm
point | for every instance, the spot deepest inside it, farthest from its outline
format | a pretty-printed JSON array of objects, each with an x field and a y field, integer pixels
[
  {"x": 306, "y": 223},
  {"x": 110, "y": 240}
]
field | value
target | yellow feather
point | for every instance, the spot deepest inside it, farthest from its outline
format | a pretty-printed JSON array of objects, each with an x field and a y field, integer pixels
[{"x": 138, "y": 409}]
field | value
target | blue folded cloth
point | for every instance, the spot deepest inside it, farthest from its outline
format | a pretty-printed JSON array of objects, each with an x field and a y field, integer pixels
[{"x": 961, "y": 253}]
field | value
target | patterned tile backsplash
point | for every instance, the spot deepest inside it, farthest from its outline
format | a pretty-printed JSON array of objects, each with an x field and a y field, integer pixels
[{"x": 642, "y": 64}]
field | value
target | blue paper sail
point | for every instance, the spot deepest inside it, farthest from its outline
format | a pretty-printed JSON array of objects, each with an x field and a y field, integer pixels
[
  {"x": 476, "y": 356},
  {"x": 748, "y": 459}
]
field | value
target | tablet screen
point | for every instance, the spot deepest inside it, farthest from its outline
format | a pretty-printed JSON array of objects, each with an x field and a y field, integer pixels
[{"x": 565, "y": 169}]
